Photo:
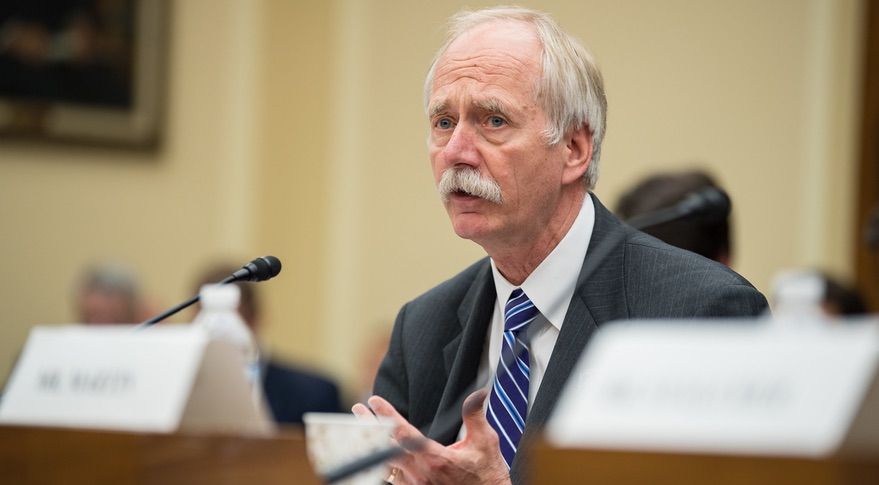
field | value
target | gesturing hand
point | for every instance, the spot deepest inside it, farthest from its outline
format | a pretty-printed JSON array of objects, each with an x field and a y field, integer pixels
[{"x": 475, "y": 459}]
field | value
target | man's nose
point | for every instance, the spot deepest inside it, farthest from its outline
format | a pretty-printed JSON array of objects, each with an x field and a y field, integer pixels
[{"x": 461, "y": 148}]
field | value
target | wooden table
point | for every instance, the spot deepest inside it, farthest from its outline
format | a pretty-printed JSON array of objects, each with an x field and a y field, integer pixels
[{"x": 32, "y": 455}]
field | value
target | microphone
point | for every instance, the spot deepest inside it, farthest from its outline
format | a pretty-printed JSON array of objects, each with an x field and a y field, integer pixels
[
  {"x": 260, "y": 269},
  {"x": 709, "y": 202},
  {"x": 370, "y": 460}
]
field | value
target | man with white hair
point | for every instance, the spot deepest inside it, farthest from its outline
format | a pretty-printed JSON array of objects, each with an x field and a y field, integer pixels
[{"x": 517, "y": 115}]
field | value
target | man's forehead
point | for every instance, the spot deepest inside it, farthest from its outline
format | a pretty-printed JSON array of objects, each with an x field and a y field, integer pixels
[
  {"x": 506, "y": 35},
  {"x": 500, "y": 92},
  {"x": 497, "y": 54}
]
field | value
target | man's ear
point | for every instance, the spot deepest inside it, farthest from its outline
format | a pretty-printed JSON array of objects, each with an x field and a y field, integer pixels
[{"x": 578, "y": 151}]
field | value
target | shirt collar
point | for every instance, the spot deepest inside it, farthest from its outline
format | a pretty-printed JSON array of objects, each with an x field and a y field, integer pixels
[{"x": 551, "y": 285}]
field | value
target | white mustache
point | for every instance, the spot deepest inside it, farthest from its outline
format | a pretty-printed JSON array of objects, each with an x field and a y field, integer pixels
[{"x": 469, "y": 181}]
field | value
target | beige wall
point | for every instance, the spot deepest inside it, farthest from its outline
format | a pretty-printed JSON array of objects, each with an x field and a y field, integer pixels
[
  {"x": 296, "y": 129},
  {"x": 163, "y": 212}
]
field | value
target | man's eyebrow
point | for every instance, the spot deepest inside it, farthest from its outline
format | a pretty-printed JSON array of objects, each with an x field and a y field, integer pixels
[
  {"x": 492, "y": 105},
  {"x": 437, "y": 109},
  {"x": 489, "y": 105}
]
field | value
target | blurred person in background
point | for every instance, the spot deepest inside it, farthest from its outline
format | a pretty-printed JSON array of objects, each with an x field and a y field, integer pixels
[
  {"x": 707, "y": 234},
  {"x": 840, "y": 299},
  {"x": 108, "y": 293},
  {"x": 289, "y": 391}
]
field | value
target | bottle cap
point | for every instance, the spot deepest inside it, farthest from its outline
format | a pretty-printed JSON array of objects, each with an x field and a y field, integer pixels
[{"x": 220, "y": 297}]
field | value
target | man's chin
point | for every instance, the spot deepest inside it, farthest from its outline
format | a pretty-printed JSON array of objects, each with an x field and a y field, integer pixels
[{"x": 470, "y": 226}]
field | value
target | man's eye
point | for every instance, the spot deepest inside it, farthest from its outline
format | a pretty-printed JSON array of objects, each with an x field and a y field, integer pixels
[
  {"x": 496, "y": 121},
  {"x": 444, "y": 123}
]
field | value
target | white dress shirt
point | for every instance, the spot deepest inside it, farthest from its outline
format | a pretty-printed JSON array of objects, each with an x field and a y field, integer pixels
[{"x": 550, "y": 287}]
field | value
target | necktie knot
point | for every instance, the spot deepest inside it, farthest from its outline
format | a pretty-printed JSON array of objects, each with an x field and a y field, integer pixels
[{"x": 518, "y": 312}]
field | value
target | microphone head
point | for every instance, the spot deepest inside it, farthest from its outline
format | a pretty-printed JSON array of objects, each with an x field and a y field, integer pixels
[
  {"x": 274, "y": 265},
  {"x": 261, "y": 269},
  {"x": 710, "y": 202}
]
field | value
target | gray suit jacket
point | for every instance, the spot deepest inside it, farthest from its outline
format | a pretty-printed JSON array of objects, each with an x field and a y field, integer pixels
[{"x": 438, "y": 338}]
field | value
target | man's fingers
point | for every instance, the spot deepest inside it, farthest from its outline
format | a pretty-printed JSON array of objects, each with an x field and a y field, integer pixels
[
  {"x": 402, "y": 429},
  {"x": 480, "y": 446},
  {"x": 361, "y": 411},
  {"x": 404, "y": 461},
  {"x": 474, "y": 418},
  {"x": 381, "y": 407},
  {"x": 418, "y": 446},
  {"x": 404, "y": 432},
  {"x": 474, "y": 403}
]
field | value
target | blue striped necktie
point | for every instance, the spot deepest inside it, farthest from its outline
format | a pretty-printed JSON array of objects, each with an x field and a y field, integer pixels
[{"x": 508, "y": 402}]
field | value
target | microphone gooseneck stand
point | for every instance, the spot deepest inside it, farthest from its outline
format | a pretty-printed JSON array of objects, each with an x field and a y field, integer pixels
[{"x": 260, "y": 269}]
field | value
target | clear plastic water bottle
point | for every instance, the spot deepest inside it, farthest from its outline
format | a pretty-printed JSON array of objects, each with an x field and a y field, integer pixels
[
  {"x": 797, "y": 296},
  {"x": 219, "y": 316}
]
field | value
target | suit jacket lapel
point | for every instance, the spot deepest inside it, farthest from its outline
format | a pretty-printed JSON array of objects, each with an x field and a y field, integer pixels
[
  {"x": 463, "y": 354},
  {"x": 599, "y": 298}
]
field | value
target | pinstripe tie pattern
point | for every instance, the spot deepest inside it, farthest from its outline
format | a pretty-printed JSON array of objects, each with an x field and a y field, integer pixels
[{"x": 508, "y": 401}]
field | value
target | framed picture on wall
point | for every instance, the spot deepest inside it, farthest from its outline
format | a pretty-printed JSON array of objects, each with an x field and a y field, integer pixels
[{"x": 85, "y": 71}]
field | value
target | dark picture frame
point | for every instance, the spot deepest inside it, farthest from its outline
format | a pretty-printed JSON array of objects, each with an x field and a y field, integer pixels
[{"x": 83, "y": 71}]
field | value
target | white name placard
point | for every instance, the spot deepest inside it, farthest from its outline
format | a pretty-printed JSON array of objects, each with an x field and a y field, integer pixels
[
  {"x": 732, "y": 388},
  {"x": 159, "y": 379}
]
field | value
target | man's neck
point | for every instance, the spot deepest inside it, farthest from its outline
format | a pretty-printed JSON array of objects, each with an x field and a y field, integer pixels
[{"x": 519, "y": 258}]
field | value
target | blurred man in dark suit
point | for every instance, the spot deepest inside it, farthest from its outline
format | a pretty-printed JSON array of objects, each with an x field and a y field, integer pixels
[
  {"x": 289, "y": 391},
  {"x": 709, "y": 233}
]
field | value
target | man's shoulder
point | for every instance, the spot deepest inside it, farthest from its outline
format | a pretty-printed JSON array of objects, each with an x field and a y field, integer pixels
[
  {"x": 666, "y": 281},
  {"x": 647, "y": 256}
]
